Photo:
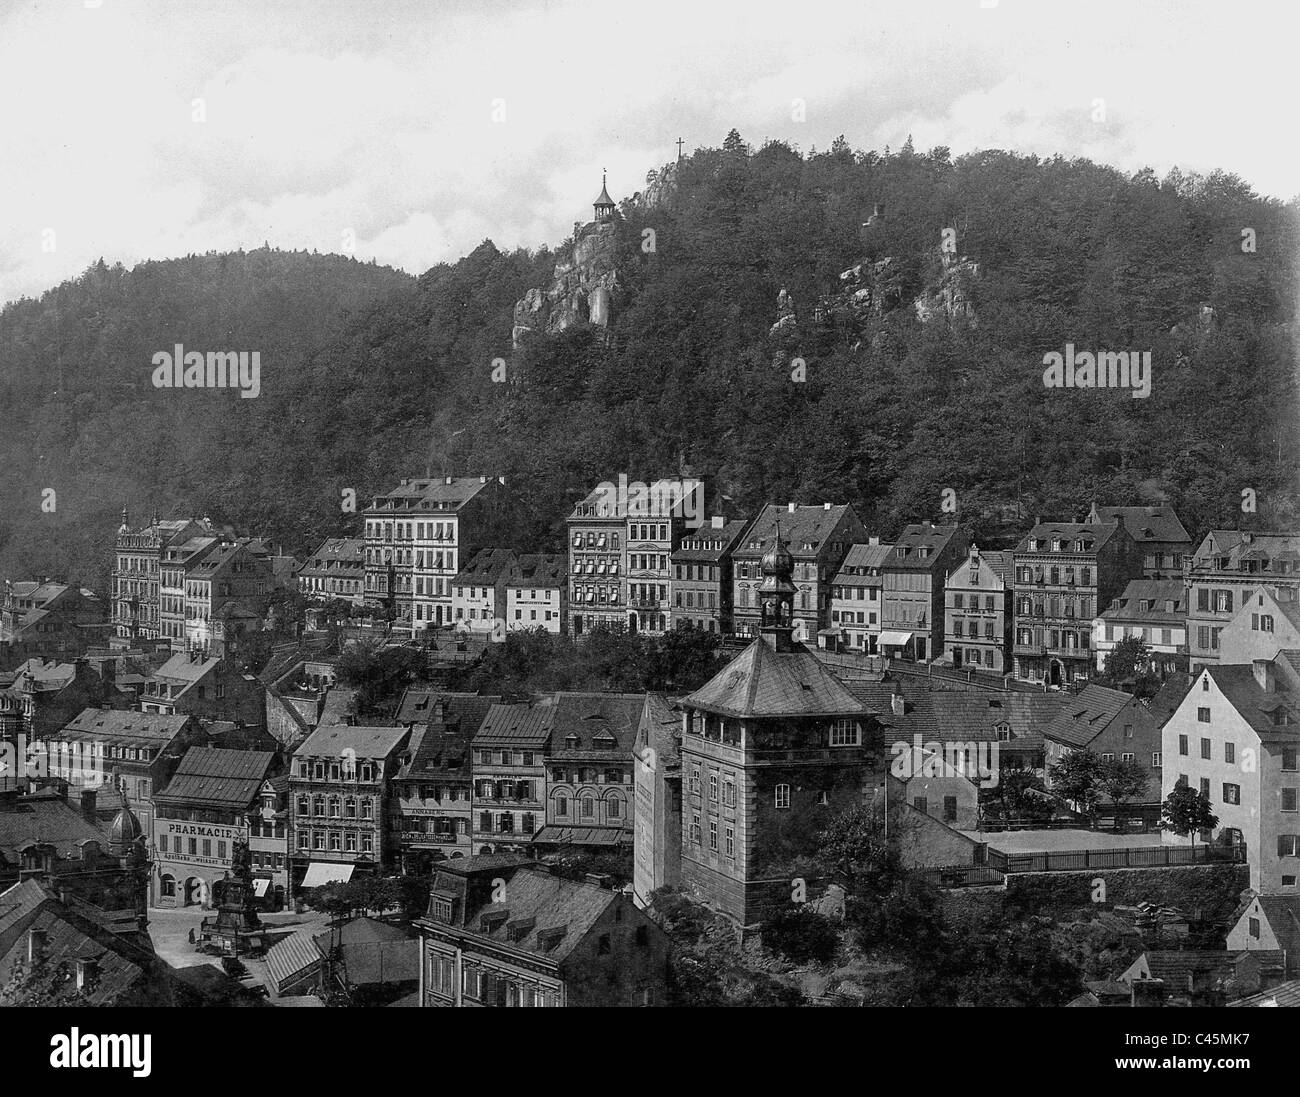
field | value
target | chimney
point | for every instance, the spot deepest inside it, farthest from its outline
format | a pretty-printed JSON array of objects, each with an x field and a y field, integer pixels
[
  {"x": 791, "y": 506},
  {"x": 402, "y": 482},
  {"x": 826, "y": 506},
  {"x": 446, "y": 479},
  {"x": 501, "y": 480},
  {"x": 873, "y": 540},
  {"x": 897, "y": 703},
  {"x": 1264, "y": 675},
  {"x": 717, "y": 521},
  {"x": 36, "y": 939},
  {"x": 482, "y": 479},
  {"x": 88, "y": 804}
]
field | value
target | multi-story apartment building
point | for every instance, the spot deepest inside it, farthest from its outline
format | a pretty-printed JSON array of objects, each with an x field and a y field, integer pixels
[
  {"x": 137, "y": 571},
  {"x": 912, "y": 589},
  {"x": 47, "y": 619},
  {"x": 772, "y": 747},
  {"x": 478, "y": 593},
  {"x": 702, "y": 578},
  {"x": 268, "y": 841},
  {"x": 207, "y": 806},
  {"x": 537, "y": 593},
  {"x": 620, "y": 551},
  {"x": 177, "y": 559},
  {"x": 417, "y": 537},
  {"x": 1228, "y": 564},
  {"x": 134, "y": 752},
  {"x": 1158, "y": 532},
  {"x": 856, "y": 597},
  {"x": 509, "y": 800},
  {"x": 1153, "y": 611},
  {"x": 212, "y": 687},
  {"x": 818, "y": 539},
  {"x": 432, "y": 790},
  {"x": 589, "y": 790},
  {"x": 502, "y": 933},
  {"x": 1236, "y": 738},
  {"x": 229, "y": 572},
  {"x": 1065, "y": 571},
  {"x": 338, "y": 803},
  {"x": 977, "y": 612},
  {"x": 597, "y": 534},
  {"x": 337, "y": 569}
]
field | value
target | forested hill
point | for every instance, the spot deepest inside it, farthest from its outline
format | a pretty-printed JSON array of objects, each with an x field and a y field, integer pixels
[{"x": 368, "y": 375}]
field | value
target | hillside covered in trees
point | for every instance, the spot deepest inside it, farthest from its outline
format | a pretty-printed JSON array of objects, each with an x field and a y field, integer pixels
[{"x": 369, "y": 375}]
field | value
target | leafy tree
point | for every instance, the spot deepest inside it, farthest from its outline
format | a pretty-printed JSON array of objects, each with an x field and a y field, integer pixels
[
  {"x": 1121, "y": 780},
  {"x": 801, "y": 935},
  {"x": 1186, "y": 811},
  {"x": 1076, "y": 777}
]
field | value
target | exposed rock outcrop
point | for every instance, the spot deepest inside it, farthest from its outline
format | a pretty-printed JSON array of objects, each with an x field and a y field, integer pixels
[
  {"x": 582, "y": 289},
  {"x": 950, "y": 299}
]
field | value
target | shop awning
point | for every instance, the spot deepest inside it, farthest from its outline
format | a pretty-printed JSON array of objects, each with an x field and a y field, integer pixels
[
  {"x": 895, "y": 639},
  {"x": 581, "y": 836},
  {"x": 260, "y": 887},
  {"x": 830, "y": 632},
  {"x": 320, "y": 873}
]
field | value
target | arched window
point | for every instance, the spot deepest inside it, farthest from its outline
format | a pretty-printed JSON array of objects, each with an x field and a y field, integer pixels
[{"x": 167, "y": 887}]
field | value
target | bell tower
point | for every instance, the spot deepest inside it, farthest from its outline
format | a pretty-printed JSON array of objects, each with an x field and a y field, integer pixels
[{"x": 776, "y": 596}]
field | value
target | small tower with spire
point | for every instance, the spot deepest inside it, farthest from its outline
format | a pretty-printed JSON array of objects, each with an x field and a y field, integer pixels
[
  {"x": 776, "y": 596},
  {"x": 604, "y": 204}
]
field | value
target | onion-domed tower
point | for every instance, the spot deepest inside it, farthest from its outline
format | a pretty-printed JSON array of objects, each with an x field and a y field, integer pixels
[
  {"x": 776, "y": 595},
  {"x": 126, "y": 829}
]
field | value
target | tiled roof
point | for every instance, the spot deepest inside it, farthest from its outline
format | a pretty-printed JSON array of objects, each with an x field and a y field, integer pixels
[
  {"x": 217, "y": 778},
  {"x": 291, "y": 958},
  {"x": 522, "y": 724},
  {"x": 761, "y": 682},
  {"x": 691, "y": 549},
  {"x": 863, "y": 556},
  {"x": 182, "y": 669},
  {"x": 1170, "y": 695},
  {"x": 1174, "y": 966},
  {"x": 1254, "y": 704},
  {"x": 804, "y": 526},
  {"x": 428, "y": 495},
  {"x": 337, "y": 553},
  {"x": 338, "y": 703},
  {"x": 1156, "y": 523},
  {"x": 1284, "y": 994},
  {"x": 538, "y": 569},
  {"x": 48, "y": 821},
  {"x": 1073, "y": 531},
  {"x": 588, "y": 715},
  {"x": 1155, "y": 591},
  {"x": 366, "y": 742},
  {"x": 1237, "y": 544},
  {"x": 374, "y": 952},
  {"x": 550, "y": 902},
  {"x": 1283, "y": 913},
  {"x": 131, "y": 727},
  {"x": 1085, "y": 715},
  {"x": 487, "y": 566},
  {"x": 661, "y": 729},
  {"x": 906, "y": 554}
]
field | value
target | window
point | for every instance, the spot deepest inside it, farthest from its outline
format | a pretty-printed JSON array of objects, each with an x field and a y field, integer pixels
[
  {"x": 730, "y": 837},
  {"x": 562, "y": 806},
  {"x": 221, "y": 850},
  {"x": 1182, "y": 745},
  {"x": 367, "y": 843},
  {"x": 921, "y": 804},
  {"x": 713, "y": 788},
  {"x": 950, "y": 809},
  {"x": 1108, "y": 757},
  {"x": 1205, "y": 749},
  {"x": 845, "y": 733},
  {"x": 782, "y": 798},
  {"x": 713, "y": 834},
  {"x": 695, "y": 829},
  {"x": 207, "y": 847},
  {"x": 1203, "y": 715},
  {"x": 1253, "y": 927},
  {"x": 1289, "y": 755},
  {"x": 615, "y": 806},
  {"x": 588, "y": 807},
  {"x": 1289, "y": 799},
  {"x": 1229, "y": 752},
  {"x": 1288, "y": 845},
  {"x": 602, "y": 945},
  {"x": 1231, "y": 793},
  {"x": 1205, "y": 787},
  {"x": 728, "y": 792},
  {"x": 1155, "y": 760}
]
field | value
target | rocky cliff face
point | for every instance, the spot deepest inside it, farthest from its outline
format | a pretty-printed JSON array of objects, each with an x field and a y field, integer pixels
[
  {"x": 950, "y": 298},
  {"x": 582, "y": 288},
  {"x": 660, "y": 186}
]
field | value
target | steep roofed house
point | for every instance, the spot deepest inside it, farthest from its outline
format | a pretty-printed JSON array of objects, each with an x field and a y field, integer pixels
[
  {"x": 337, "y": 569},
  {"x": 1235, "y": 737},
  {"x": 857, "y": 600},
  {"x": 43, "y": 695},
  {"x": 48, "y": 620},
  {"x": 212, "y": 801},
  {"x": 702, "y": 575},
  {"x": 1270, "y": 923},
  {"x": 818, "y": 538},
  {"x": 509, "y": 799},
  {"x": 213, "y": 687},
  {"x": 1155, "y": 612},
  {"x": 338, "y": 803},
  {"x": 1164, "y": 541},
  {"x": 501, "y": 933},
  {"x": 912, "y": 594},
  {"x": 537, "y": 593},
  {"x": 431, "y": 793},
  {"x": 232, "y": 571},
  {"x": 1224, "y": 569},
  {"x": 1064, "y": 573},
  {"x": 1113, "y": 725},
  {"x": 478, "y": 593},
  {"x": 977, "y": 612},
  {"x": 1264, "y": 625},
  {"x": 589, "y": 765}
]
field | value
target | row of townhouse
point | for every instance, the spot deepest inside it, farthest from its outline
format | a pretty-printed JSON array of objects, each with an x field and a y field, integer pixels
[{"x": 502, "y": 591}]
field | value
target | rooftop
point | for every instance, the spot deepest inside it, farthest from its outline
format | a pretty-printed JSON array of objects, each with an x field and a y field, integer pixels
[{"x": 762, "y": 682}]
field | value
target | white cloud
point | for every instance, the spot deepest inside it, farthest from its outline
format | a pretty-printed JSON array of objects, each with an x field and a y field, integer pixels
[{"x": 377, "y": 118}]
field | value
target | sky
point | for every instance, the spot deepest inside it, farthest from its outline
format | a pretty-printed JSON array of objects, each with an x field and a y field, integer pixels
[{"x": 408, "y": 131}]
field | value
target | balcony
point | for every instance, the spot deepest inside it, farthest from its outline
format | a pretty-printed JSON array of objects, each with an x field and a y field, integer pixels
[{"x": 1028, "y": 649}]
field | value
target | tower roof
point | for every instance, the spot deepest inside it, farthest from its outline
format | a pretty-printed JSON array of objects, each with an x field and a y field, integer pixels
[{"x": 603, "y": 199}]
